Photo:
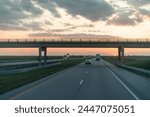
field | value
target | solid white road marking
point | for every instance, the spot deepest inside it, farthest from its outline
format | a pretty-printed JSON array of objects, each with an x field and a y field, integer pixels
[
  {"x": 123, "y": 84},
  {"x": 81, "y": 82}
]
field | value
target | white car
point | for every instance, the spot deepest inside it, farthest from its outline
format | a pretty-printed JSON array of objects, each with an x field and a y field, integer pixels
[{"x": 88, "y": 62}]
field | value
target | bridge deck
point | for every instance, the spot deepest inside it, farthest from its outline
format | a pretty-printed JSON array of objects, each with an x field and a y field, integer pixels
[{"x": 75, "y": 43}]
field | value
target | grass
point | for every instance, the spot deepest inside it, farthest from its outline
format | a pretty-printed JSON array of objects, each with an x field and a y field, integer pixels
[
  {"x": 139, "y": 62},
  {"x": 111, "y": 59},
  {"x": 9, "y": 82},
  {"x": 134, "y": 61}
]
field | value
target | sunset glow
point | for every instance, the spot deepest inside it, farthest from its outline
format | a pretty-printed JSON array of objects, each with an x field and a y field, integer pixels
[{"x": 29, "y": 19}]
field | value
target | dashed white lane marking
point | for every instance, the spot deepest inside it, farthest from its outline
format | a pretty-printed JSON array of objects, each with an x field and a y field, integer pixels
[
  {"x": 123, "y": 84},
  {"x": 87, "y": 72},
  {"x": 81, "y": 82}
]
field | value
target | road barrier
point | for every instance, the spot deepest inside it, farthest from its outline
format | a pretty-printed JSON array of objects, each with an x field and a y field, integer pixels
[
  {"x": 139, "y": 71},
  {"x": 21, "y": 70}
]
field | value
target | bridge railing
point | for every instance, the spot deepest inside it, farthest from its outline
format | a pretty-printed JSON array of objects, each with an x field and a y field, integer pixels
[{"x": 78, "y": 40}]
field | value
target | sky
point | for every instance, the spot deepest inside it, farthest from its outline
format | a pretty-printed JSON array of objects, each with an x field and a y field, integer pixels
[{"x": 74, "y": 19}]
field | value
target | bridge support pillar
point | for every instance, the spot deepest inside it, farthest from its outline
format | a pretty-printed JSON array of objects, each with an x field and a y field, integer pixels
[
  {"x": 42, "y": 49},
  {"x": 40, "y": 55},
  {"x": 121, "y": 55}
]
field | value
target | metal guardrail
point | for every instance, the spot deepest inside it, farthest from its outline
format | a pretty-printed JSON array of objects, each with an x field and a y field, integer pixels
[
  {"x": 18, "y": 66},
  {"x": 138, "y": 71},
  {"x": 22, "y": 70},
  {"x": 135, "y": 70},
  {"x": 79, "y": 40}
]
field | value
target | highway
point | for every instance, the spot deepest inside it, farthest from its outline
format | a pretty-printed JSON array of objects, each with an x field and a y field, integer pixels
[{"x": 98, "y": 81}]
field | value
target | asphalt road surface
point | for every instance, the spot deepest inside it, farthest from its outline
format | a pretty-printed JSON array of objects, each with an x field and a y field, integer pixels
[{"x": 98, "y": 81}]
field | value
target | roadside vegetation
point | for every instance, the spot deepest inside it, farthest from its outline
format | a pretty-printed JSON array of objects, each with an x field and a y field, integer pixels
[
  {"x": 12, "y": 81},
  {"x": 134, "y": 61}
]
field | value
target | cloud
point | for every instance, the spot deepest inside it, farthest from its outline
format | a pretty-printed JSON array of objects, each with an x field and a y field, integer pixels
[
  {"x": 19, "y": 25},
  {"x": 137, "y": 3},
  {"x": 59, "y": 30},
  {"x": 130, "y": 14},
  {"x": 14, "y": 14},
  {"x": 13, "y": 11},
  {"x": 29, "y": 7},
  {"x": 10, "y": 27},
  {"x": 93, "y": 10},
  {"x": 96, "y": 10},
  {"x": 35, "y": 26},
  {"x": 95, "y": 31},
  {"x": 144, "y": 12},
  {"x": 122, "y": 19},
  {"x": 76, "y": 35},
  {"x": 10, "y": 11},
  {"x": 141, "y": 7},
  {"x": 48, "y": 22},
  {"x": 70, "y": 27},
  {"x": 49, "y": 5}
]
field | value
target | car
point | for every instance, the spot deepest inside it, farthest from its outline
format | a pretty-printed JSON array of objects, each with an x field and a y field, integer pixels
[
  {"x": 98, "y": 57},
  {"x": 88, "y": 62}
]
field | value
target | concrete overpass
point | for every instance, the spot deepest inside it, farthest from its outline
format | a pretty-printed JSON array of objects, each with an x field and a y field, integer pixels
[{"x": 76, "y": 43}]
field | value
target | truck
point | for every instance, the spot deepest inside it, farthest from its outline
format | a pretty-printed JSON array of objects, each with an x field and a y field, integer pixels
[{"x": 98, "y": 57}]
